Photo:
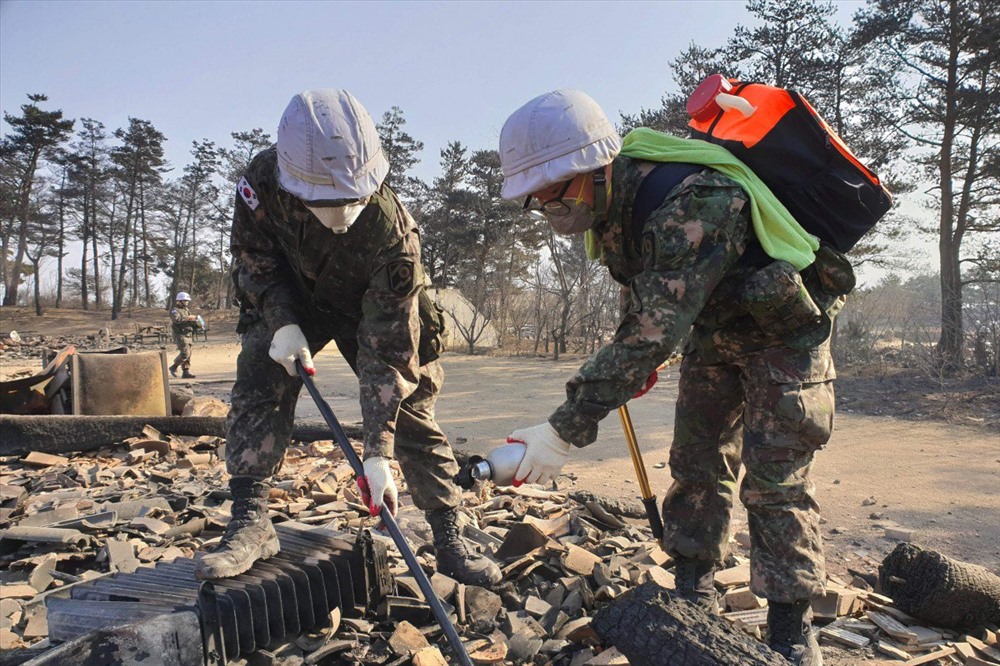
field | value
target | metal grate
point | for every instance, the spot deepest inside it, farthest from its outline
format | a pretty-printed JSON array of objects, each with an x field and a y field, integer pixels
[{"x": 272, "y": 603}]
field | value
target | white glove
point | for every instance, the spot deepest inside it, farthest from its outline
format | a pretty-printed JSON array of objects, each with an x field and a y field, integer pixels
[
  {"x": 544, "y": 456},
  {"x": 288, "y": 344},
  {"x": 377, "y": 487}
]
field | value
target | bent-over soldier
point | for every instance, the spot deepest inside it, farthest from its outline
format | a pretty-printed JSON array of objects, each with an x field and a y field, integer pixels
[{"x": 325, "y": 251}]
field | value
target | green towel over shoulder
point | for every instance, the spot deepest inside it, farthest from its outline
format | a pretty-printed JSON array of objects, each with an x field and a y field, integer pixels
[{"x": 779, "y": 234}]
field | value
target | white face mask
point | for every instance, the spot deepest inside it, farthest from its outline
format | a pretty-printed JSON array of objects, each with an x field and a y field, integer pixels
[
  {"x": 579, "y": 218},
  {"x": 338, "y": 219}
]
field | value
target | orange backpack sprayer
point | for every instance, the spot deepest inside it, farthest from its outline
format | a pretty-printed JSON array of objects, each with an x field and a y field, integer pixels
[{"x": 782, "y": 138}]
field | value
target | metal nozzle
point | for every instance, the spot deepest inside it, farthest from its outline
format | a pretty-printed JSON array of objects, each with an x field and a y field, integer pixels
[{"x": 477, "y": 469}]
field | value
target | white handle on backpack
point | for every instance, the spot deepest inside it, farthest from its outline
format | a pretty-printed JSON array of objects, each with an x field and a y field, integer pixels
[{"x": 728, "y": 102}]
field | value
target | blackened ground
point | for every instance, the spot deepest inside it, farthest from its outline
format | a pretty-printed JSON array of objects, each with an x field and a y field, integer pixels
[{"x": 910, "y": 395}]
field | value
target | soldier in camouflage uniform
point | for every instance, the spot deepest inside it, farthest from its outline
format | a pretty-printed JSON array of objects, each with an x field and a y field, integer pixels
[
  {"x": 753, "y": 392},
  {"x": 183, "y": 324},
  {"x": 324, "y": 251}
]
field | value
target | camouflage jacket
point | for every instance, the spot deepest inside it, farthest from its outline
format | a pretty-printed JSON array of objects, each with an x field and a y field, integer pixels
[
  {"x": 180, "y": 324},
  {"x": 689, "y": 245},
  {"x": 365, "y": 282}
]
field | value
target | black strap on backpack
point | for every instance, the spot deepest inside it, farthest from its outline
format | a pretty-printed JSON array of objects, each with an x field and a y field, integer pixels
[{"x": 654, "y": 188}]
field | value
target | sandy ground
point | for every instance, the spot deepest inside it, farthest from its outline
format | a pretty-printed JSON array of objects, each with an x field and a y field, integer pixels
[{"x": 940, "y": 480}]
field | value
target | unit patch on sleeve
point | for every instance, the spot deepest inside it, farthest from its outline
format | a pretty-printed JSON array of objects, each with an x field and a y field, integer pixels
[
  {"x": 401, "y": 277},
  {"x": 249, "y": 196}
]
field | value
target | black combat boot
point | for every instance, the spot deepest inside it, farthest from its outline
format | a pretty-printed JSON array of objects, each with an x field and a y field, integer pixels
[
  {"x": 790, "y": 634},
  {"x": 454, "y": 557},
  {"x": 173, "y": 371},
  {"x": 187, "y": 374},
  {"x": 249, "y": 536},
  {"x": 695, "y": 581}
]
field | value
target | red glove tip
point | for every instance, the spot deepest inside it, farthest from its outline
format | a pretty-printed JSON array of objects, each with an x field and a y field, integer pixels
[
  {"x": 517, "y": 483},
  {"x": 310, "y": 371},
  {"x": 650, "y": 383}
]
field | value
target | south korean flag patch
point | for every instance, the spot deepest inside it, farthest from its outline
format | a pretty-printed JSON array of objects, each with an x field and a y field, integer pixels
[{"x": 249, "y": 196}]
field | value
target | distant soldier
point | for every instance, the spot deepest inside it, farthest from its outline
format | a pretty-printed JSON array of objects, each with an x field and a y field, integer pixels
[
  {"x": 325, "y": 251},
  {"x": 184, "y": 325}
]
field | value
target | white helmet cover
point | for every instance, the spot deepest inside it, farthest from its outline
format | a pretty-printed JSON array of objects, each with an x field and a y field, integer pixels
[
  {"x": 183, "y": 296},
  {"x": 328, "y": 147},
  {"x": 553, "y": 138}
]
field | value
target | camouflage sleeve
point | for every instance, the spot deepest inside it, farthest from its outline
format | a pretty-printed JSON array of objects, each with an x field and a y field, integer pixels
[
  {"x": 260, "y": 271},
  {"x": 388, "y": 364},
  {"x": 687, "y": 246},
  {"x": 175, "y": 316}
]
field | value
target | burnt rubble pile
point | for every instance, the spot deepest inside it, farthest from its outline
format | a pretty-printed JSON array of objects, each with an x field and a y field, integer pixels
[
  {"x": 29, "y": 347},
  {"x": 564, "y": 554}
]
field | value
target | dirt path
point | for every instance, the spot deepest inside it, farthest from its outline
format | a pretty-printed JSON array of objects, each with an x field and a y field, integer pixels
[{"x": 941, "y": 481}]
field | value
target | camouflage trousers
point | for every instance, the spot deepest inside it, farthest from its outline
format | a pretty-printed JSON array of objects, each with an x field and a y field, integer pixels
[
  {"x": 184, "y": 347},
  {"x": 768, "y": 411},
  {"x": 263, "y": 409}
]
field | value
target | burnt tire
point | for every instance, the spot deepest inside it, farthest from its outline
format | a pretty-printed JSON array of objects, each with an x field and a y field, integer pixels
[
  {"x": 652, "y": 627},
  {"x": 939, "y": 590}
]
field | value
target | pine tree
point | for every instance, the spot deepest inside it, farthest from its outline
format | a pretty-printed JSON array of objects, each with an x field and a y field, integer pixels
[
  {"x": 401, "y": 150},
  {"x": 446, "y": 211},
  {"x": 88, "y": 187},
  {"x": 946, "y": 53},
  {"x": 34, "y": 134},
  {"x": 194, "y": 197},
  {"x": 43, "y": 236},
  {"x": 138, "y": 163},
  {"x": 234, "y": 161}
]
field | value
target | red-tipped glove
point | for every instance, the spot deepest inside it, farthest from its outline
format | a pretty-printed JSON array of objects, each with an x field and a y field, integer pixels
[
  {"x": 377, "y": 487},
  {"x": 650, "y": 383}
]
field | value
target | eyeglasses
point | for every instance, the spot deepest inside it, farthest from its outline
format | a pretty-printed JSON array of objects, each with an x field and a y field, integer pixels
[{"x": 555, "y": 206}]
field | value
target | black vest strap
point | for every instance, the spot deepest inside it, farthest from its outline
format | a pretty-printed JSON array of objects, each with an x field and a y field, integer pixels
[
  {"x": 654, "y": 189},
  {"x": 657, "y": 185}
]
